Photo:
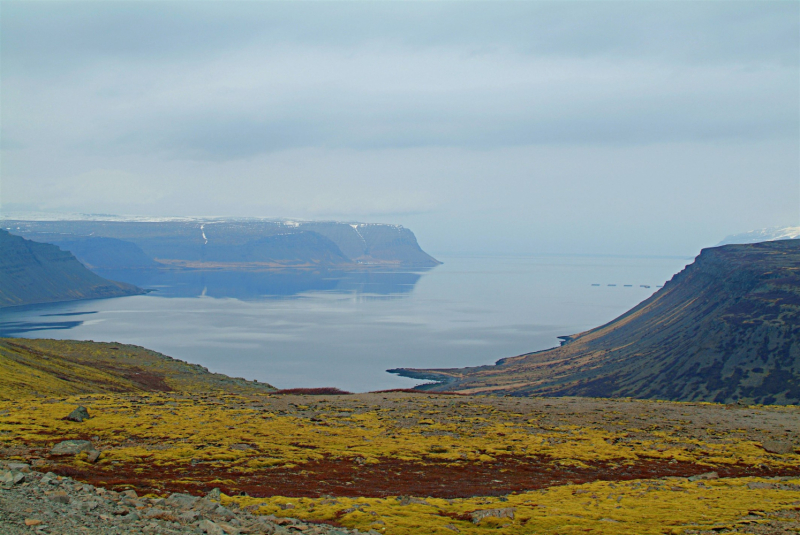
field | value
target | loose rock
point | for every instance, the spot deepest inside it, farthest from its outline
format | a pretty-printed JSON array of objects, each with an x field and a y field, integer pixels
[
  {"x": 183, "y": 501},
  {"x": 761, "y": 485},
  {"x": 19, "y": 467},
  {"x": 506, "y": 512},
  {"x": 209, "y": 527},
  {"x": 707, "y": 475},
  {"x": 78, "y": 415},
  {"x": 781, "y": 447},
  {"x": 59, "y": 497},
  {"x": 71, "y": 447},
  {"x": 9, "y": 478},
  {"x": 65, "y": 506}
]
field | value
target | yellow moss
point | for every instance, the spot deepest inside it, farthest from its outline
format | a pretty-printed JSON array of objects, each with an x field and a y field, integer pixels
[
  {"x": 251, "y": 433},
  {"x": 639, "y": 507},
  {"x": 173, "y": 430}
]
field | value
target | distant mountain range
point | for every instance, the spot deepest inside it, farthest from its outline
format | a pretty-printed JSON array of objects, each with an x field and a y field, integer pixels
[
  {"x": 726, "y": 328},
  {"x": 216, "y": 243},
  {"x": 32, "y": 273},
  {"x": 766, "y": 234}
]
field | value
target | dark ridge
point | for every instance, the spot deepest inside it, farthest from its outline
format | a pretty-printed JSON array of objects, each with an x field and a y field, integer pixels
[{"x": 33, "y": 273}]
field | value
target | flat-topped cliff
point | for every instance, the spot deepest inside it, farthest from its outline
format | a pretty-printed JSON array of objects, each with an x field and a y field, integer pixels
[{"x": 231, "y": 243}]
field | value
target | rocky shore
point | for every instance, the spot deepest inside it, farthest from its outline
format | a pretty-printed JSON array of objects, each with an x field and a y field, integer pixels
[{"x": 32, "y": 502}]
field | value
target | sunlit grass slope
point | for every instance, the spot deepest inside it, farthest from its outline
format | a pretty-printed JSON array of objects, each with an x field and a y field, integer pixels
[{"x": 65, "y": 367}]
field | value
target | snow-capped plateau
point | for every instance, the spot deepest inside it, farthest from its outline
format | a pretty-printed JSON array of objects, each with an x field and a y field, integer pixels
[{"x": 766, "y": 234}]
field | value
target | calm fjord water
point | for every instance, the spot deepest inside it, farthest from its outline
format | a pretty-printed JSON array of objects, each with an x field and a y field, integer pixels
[{"x": 344, "y": 329}]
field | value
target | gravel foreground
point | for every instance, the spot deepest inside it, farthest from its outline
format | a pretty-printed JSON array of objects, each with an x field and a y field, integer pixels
[{"x": 31, "y": 502}]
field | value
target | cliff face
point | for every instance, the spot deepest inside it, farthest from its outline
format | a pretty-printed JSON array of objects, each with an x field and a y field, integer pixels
[
  {"x": 372, "y": 243},
  {"x": 283, "y": 243},
  {"x": 726, "y": 328},
  {"x": 32, "y": 272}
]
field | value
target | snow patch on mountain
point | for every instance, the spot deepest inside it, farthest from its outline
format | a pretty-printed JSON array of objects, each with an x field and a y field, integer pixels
[{"x": 766, "y": 234}]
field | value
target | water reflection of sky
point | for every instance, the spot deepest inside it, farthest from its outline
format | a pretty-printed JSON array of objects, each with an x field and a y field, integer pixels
[{"x": 345, "y": 329}]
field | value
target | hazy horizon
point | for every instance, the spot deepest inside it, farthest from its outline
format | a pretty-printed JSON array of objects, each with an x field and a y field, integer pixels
[{"x": 651, "y": 128}]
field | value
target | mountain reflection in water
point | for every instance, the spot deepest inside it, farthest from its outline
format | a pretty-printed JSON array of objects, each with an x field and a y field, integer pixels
[
  {"x": 248, "y": 285},
  {"x": 244, "y": 285}
]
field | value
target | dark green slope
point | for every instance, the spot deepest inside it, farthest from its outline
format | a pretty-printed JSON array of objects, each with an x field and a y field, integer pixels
[
  {"x": 32, "y": 273},
  {"x": 724, "y": 329}
]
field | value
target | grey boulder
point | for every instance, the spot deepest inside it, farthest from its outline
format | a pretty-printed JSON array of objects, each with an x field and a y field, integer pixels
[
  {"x": 182, "y": 501},
  {"x": 781, "y": 447},
  {"x": 209, "y": 527},
  {"x": 78, "y": 415},
  {"x": 9, "y": 478},
  {"x": 71, "y": 447}
]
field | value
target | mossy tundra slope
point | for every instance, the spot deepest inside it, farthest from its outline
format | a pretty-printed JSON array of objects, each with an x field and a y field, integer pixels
[
  {"x": 406, "y": 462},
  {"x": 66, "y": 367}
]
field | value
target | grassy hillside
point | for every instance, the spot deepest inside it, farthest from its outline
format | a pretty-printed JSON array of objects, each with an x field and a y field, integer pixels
[
  {"x": 66, "y": 367},
  {"x": 726, "y": 328},
  {"x": 32, "y": 273}
]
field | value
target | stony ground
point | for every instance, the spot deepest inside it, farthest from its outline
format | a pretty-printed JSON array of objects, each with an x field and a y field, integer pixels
[
  {"x": 401, "y": 463},
  {"x": 32, "y": 502}
]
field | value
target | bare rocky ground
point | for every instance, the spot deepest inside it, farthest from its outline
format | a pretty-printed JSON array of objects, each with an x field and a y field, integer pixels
[
  {"x": 65, "y": 506},
  {"x": 31, "y": 502},
  {"x": 774, "y": 523}
]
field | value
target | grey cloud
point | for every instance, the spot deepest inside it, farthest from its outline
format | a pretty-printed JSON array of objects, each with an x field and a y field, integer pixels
[
  {"x": 582, "y": 121},
  {"x": 571, "y": 112},
  {"x": 42, "y": 37},
  {"x": 185, "y": 79}
]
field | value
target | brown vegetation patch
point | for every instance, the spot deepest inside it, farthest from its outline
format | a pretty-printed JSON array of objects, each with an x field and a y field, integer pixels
[
  {"x": 149, "y": 381},
  {"x": 390, "y": 477},
  {"x": 327, "y": 391}
]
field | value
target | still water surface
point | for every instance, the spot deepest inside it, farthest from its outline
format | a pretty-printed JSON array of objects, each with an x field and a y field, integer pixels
[{"x": 344, "y": 329}]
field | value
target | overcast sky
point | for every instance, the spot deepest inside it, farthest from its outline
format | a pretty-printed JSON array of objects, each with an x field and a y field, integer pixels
[{"x": 485, "y": 127}]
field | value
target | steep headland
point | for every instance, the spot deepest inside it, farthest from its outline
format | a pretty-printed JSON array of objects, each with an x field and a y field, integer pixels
[
  {"x": 230, "y": 244},
  {"x": 32, "y": 273},
  {"x": 725, "y": 329}
]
